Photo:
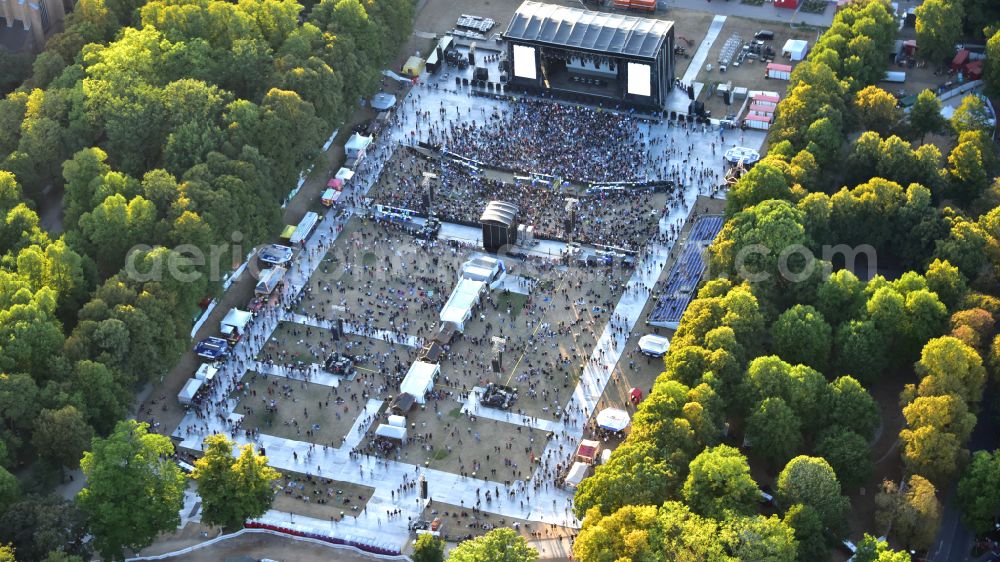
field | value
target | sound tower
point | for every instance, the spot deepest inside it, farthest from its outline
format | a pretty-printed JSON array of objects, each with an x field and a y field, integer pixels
[{"x": 423, "y": 487}]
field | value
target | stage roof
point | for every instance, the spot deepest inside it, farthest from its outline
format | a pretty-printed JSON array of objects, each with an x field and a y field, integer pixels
[{"x": 574, "y": 28}]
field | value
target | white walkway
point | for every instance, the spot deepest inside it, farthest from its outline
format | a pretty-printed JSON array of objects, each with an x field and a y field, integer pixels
[{"x": 384, "y": 335}]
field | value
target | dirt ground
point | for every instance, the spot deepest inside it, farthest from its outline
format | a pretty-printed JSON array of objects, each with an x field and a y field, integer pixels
[
  {"x": 281, "y": 407},
  {"x": 328, "y": 499},
  {"x": 461, "y": 523},
  {"x": 750, "y": 74},
  {"x": 443, "y": 438},
  {"x": 261, "y": 545}
]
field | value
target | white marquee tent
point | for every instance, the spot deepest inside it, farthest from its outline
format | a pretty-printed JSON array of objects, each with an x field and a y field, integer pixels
[
  {"x": 356, "y": 145},
  {"x": 652, "y": 344},
  {"x": 795, "y": 49},
  {"x": 187, "y": 394},
  {"x": 613, "y": 419},
  {"x": 235, "y": 319},
  {"x": 391, "y": 432},
  {"x": 419, "y": 380},
  {"x": 206, "y": 372},
  {"x": 577, "y": 473},
  {"x": 458, "y": 309}
]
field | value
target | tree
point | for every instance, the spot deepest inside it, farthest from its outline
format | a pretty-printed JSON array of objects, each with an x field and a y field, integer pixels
[
  {"x": 7, "y": 553},
  {"x": 939, "y": 25},
  {"x": 808, "y": 527},
  {"x": 10, "y": 490},
  {"x": 948, "y": 413},
  {"x": 857, "y": 343},
  {"x": 719, "y": 484},
  {"x": 134, "y": 490},
  {"x": 37, "y": 525},
  {"x": 811, "y": 481},
  {"x": 850, "y": 406},
  {"x": 967, "y": 173},
  {"x": 871, "y": 549},
  {"x": 931, "y": 452},
  {"x": 428, "y": 548},
  {"x": 650, "y": 534},
  {"x": 925, "y": 115},
  {"x": 62, "y": 436},
  {"x": 971, "y": 115},
  {"x": 498, "y": 545},
  {"x": 232, "y": 489},
  {"x": 764, "y": 181},
  {"x": 913, "y": 513},
  {"x": 876, "y": 108},
  {"x": 758, "y": 538},
  {"x": 948, "y": 366},
  {"x": 979, "y": 491},
  {"x": 801, "y": 335},
  {"x": 849, "y": 455},
  {"x": 991, "y": 72},
  {"x": 945, "y": 280},
  {"x": 775, "y": 431}
]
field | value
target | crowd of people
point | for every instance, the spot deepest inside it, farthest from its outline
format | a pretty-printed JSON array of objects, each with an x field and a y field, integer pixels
[
  {"x": 612, "y": 218},
  {"x": 573, "y": 142}
]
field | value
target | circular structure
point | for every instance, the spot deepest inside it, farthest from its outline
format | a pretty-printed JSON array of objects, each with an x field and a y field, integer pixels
[
  {"x": 738, "y": 154},
  {"x": 613, "y": 419}
]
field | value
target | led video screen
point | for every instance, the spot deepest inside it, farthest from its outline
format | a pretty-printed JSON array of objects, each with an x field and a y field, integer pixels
[
  {"x": 524, "y": 62},
  {"x": 640, "y": 79}
]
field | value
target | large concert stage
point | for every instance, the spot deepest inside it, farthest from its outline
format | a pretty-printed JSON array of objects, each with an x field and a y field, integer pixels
[{"x": 590, "y": 55}]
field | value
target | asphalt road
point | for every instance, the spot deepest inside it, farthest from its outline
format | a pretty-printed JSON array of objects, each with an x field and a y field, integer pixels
[{"x": 955, "y": 541}]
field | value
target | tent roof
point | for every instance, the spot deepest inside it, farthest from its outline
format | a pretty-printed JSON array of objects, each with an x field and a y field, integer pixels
[
  {"x": 654, "y": 344},
  {"x": 613, "y": 419},
  {"x": 403, "y": 402},
  {"x": 345, "y": 174},
  {"x": 238, "y": 318},
  {"x": 795, "y": 45},
  {"x": 461, "y": 301},
  {"x": 206, "y": 372},
  {"x": 419, "y": 379},
  {"x": 189, "y": 390},
  {"x": 563, "y": 26},
  {"x": 390, "y": 431},
  {"x": 382, "y": 101},
  {"x": 588, "y": 449},
  {"x": 577, "y": 473},
  {"x": 499, "y": 211},
  {"x": 357, "y": 142}
]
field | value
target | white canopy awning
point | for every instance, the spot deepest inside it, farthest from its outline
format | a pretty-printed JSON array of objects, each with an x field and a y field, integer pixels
[
  {"x": 577, "y": 473},
  {"x": 419, "y": 380},
  {"x": 652, "y": 344},
  {"x": 235, "y": 318},
  {"x": 187, "y": 394},
  {"x": 356, "y": 144},
  {"x": 391, "y": 432},
  {"x": 344, "y": 174},
  {"x": 458, "y": 308},
  {"x": 613, "y": 419},
  {"x": 206, "y": 372},
  {"x": 398, "y": 421}
]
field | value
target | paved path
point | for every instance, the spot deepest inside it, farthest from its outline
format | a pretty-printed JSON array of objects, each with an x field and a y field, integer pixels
[
  {"x": 766, "y": 12},
  {"x": 316, "y": 375},
  {"x": 699, "y": 57},
  {"x": 384, "y": 335}
]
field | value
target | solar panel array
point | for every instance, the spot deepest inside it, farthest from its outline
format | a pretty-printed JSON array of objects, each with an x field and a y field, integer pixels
[{"x": 685, "y": 274}]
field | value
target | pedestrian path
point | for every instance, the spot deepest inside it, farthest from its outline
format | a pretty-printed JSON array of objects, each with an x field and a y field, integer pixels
[
  {"x": 315, "y": 375},
  {"x": 383, "y": 335},
  {"x": 699, "y": 57},
  {"x": 473, "y": 406}
]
